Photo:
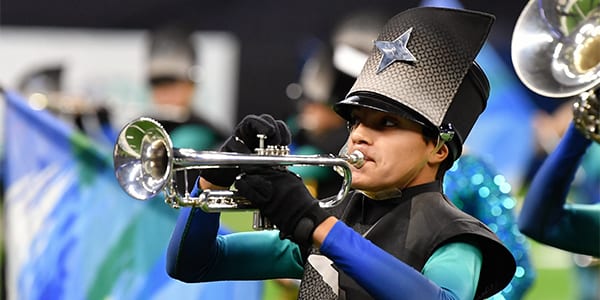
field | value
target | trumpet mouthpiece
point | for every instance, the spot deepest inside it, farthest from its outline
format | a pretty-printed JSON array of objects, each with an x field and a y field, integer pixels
[{"x": 356, "y": 158}]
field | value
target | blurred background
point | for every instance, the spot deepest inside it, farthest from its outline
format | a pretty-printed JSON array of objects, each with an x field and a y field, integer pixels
[
  {"x": 266, "y": 39},
  {"x": 74, "y": 72}
]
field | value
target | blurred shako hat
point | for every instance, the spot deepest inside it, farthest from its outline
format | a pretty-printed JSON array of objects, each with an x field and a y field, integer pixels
[
  {"x": 332, "y": 68},
  {"x": 321, "y": 81},
  {"x": 423, "y": 68},
  {"x": 171, "y": 54},
  {"x": 353, "y": 38},
  {"x": 46, "y": 80}
]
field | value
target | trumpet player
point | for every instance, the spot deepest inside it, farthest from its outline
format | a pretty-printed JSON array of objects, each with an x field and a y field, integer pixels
[{"x": 396, "y": 235}]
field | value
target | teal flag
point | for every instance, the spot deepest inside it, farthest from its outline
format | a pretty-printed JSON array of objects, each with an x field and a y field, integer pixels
[{"x": 71, "y": 232}]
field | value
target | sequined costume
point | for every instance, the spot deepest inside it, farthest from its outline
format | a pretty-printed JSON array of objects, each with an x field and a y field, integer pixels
[
  {"x": 476, "y": 188},
  {"x": 546, "y": 217}
]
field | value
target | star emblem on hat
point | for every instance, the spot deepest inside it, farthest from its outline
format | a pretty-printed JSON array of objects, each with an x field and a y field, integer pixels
[{"x": 394, "y": 51}]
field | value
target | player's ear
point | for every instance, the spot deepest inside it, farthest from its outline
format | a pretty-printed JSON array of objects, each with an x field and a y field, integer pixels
[{"x": 440, "y": 155}]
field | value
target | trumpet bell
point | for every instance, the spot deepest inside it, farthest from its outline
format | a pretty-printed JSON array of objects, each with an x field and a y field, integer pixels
[
  {"x": 553, "y": 55},
  {"x": 143, "y": 158}
]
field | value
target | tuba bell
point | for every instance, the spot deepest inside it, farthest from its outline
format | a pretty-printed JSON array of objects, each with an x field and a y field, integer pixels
[
  {"x": 145, "y": 162},
  {"x": 555, "y": 51}
]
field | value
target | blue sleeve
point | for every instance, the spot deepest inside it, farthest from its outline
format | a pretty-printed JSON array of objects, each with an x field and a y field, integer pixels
[
  {"x": 545, "y": 217},
  {"x": 199, "y": 251},
  {"x": 382, "y": 275},
  {"x": 479, "y": 190}
]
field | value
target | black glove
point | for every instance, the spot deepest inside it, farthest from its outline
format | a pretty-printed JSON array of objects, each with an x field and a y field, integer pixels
[
  {"x": 244, "y": 140},
  {"x": 282, "y": 197}
]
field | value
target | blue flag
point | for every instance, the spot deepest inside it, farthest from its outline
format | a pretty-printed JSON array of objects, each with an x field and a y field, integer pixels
[{"x": 71, "y": 232}]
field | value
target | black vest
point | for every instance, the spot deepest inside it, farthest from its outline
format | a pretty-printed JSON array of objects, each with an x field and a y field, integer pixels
[{"x": 420, "y": 222}]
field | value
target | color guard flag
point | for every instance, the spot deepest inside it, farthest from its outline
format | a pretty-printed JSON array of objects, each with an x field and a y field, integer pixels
[{"x": 71, "y": 232}]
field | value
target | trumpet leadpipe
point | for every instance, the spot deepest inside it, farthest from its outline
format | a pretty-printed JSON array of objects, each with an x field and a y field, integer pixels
[{"x": 184, "y": 158}]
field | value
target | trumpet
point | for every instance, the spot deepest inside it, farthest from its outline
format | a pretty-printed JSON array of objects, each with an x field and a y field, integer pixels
[{"x": 145, "y": 161}]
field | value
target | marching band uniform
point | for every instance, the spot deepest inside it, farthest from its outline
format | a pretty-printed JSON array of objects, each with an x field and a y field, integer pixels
[{"x": 406, "y": 241}]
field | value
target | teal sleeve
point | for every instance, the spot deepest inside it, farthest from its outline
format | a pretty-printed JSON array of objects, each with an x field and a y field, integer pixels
[
  {"x": 201, "y": 251},
  {"x": 256, "y": 255},
  {"x": 310, "y": 172},
  {"x": 451, "y": 259},
  {"x": 193, "y": 137}
]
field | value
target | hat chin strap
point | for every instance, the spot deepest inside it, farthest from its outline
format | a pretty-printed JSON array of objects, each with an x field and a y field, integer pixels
[{"x": 383, "y": 195}]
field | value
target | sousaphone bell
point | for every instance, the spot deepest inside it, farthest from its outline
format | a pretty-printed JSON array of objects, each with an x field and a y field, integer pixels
[{"x": 555, "y": 51}]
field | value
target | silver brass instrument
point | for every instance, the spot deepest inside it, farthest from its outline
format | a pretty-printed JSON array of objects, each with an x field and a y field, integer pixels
[
  {"x": 555, "y": 51},
  {"x": 145, "y": 161}
]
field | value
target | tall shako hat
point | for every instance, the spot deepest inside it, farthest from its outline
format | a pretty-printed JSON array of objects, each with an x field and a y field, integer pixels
[
  {"x": 171, "y": 54},
  {"x": 422, "y": 67}
]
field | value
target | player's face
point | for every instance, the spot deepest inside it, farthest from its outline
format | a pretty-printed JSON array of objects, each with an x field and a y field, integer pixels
[{"x": 394, "y": 148}]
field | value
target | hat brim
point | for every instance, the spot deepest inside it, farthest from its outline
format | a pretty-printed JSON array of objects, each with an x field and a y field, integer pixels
[{"x": 379, "y": 103}]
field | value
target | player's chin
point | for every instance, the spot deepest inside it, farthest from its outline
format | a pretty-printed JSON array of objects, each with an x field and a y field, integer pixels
[{"x": 361, "y": 181}]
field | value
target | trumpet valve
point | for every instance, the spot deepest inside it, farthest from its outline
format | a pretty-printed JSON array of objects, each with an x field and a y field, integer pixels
[
  {"x": 273, "y": 150},
  {"x": 260, "y": 222}
]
